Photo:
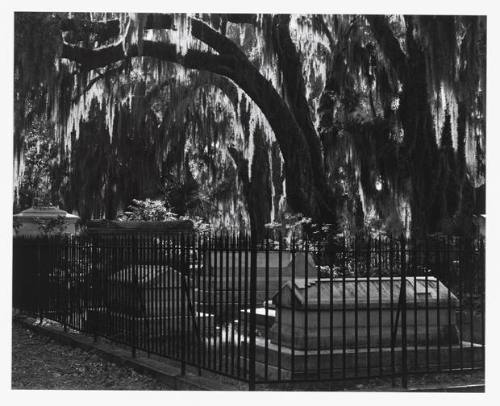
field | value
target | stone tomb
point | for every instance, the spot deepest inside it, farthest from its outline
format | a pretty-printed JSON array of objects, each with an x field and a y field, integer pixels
[
  {"x": 366, "y": 313},
  {"x": 219, "y": 286},
  {"x": 331, "y": 331},
  {"x": 149, "y": 299},
  {"x": 37, "y": 221}
]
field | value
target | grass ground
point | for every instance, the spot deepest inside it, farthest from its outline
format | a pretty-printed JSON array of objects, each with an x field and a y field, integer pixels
[{"x": 39, "y": 362}]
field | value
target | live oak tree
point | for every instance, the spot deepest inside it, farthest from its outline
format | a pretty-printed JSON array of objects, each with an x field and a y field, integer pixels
[{"x": 368, "y": 132}]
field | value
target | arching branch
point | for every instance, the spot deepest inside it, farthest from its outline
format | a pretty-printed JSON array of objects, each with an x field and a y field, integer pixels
[
  {"x": 307, "y": 190},
  {"x": 97, "y": 58}
]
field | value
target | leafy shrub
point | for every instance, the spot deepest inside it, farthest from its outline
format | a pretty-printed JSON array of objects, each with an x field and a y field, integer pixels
[{"x": 148, "y": 210}]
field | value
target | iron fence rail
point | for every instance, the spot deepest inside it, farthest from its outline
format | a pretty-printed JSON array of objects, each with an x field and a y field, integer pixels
[{"x": 268, "y": 312}]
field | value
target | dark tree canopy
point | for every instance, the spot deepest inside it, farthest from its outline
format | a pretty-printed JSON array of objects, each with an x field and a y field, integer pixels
[{"x": 358, "y": 121}]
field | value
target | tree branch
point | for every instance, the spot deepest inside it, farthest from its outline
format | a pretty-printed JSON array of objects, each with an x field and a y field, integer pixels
[
  {"x": 91, "y": 59},
  {"x": 214, "y": 39}
]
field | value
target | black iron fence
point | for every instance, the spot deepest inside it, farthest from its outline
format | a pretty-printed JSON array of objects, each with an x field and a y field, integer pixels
[{"x": 269, "y": 312}]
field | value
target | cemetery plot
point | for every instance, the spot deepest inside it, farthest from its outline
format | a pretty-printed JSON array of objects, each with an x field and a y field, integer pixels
[{"x": 190, "y": 300}]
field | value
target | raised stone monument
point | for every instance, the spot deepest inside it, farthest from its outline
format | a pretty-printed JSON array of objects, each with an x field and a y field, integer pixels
[
  {"x": 147, "y": 301},
  {"x": 362, "y": 315},
  {"x": 44, "y": 220},
  {"x": 227, "y": 279},
  {"x": 350, "y": 326}
]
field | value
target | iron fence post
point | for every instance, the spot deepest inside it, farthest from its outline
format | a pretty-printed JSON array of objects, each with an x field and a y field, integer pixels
[
  {"x": 94, "y": 287},
  {"x": 66, "y": 289},
  {"x": 39, "y": 292},
  {"x": 253, "y": 304},
  {"x": 135, "y": 298},
  {"x": 404, "y": 366},
  {"x": 183, "y": 303}
]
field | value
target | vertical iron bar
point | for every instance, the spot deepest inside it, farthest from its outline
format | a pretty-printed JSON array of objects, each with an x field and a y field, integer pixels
[
  {"x": 246, "y": 327},
  {"x": 183, "y": 303},
  {"x": 253, "y": 302},
  {"x": 200, "y": 314},
  {"x": 332, "y": 269},
  {"x": 482, "y": 292},
  {"x": 356, "y": 308},
  {"x": 368, "y": 333},
  {"x": 460, "y": 306},
  {"x": 306, "y": 313},
  {"x": 413, "y": 257},
  {"x": 379, "y": 249},
  {"x": 227, "y": 310},
  {"x": 66, "y": 293},
  {"x": 135, "y": 298},
  {"x": 208, "y": 293},
  {"x": 266, "y": 309},
  {"x": 293, "y": 293},
  {"x": 427, "y": 269},
  {"x": 221, "y": 295},
  {"x": 278, "y": 310},
  {"x": 438, "y": 301},
  {"x": 217, "y": 298},
  {"x": 238, "y": 366},
  {"x": 95, "y": 288},
  {"x": 233, "y": 301},
  {"x": 344, "y": 332},
  {"x": 449, "y": 270},
  {"x": 391, "y": 288},
  {"x": 404, "y": 366},
  {"x": 318, "y": 314},
  {"x": 471, "y": 271}
]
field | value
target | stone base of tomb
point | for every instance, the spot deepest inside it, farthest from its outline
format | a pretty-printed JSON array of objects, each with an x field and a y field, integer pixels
[
  {"x": 123, "y": 327},
  {"x": 283, "y": 364}
]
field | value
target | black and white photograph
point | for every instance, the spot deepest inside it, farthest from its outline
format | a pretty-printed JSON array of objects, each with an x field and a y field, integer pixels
[{"x": 236, "y": 201}]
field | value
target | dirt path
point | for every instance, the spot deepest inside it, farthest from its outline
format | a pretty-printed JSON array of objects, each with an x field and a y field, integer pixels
[{"x": 40, "y": 363}]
